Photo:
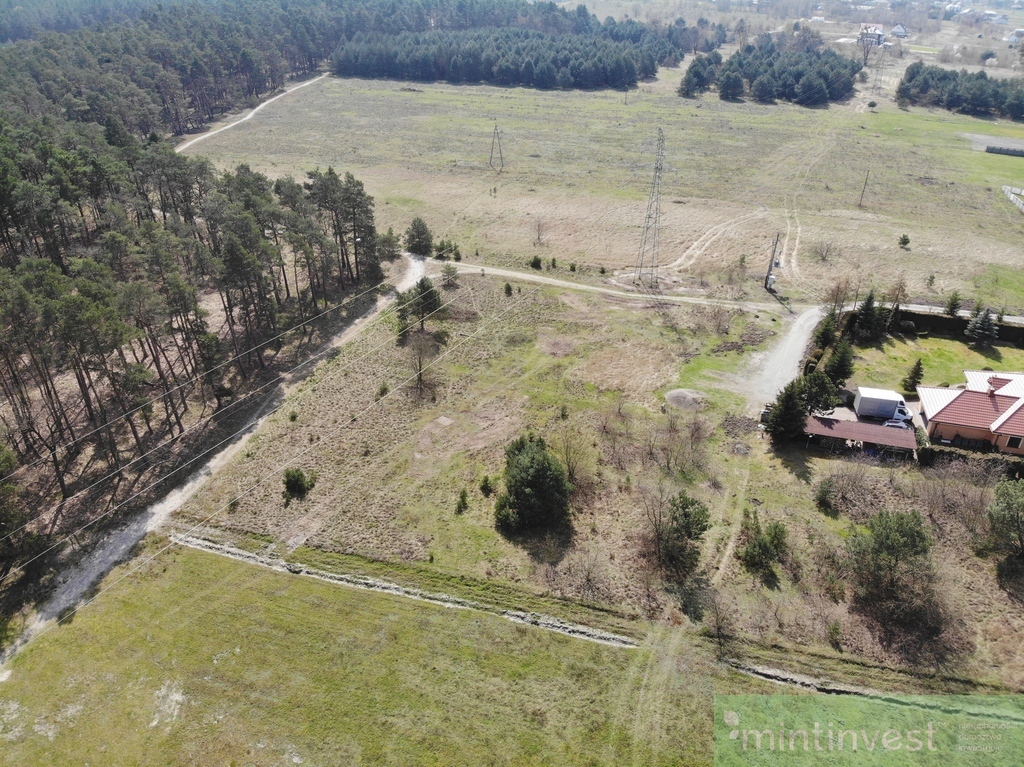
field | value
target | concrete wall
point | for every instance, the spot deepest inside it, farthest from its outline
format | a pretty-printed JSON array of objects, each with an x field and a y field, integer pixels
[{"x": 1014, "y": 195}]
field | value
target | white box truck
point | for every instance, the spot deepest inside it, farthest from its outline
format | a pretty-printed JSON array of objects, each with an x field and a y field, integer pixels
[{"x": 882, "y": 404}]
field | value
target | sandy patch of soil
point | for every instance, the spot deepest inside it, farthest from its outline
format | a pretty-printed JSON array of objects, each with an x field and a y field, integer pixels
[{"x": 686, "y": 399}]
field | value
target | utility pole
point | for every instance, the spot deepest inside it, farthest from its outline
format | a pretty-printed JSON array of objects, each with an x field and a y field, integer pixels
[
  {"x": 496, "y": 144},
  {"x": 646, "y": 273},
  {"x": 769, "y": 278},
  {"x": 864, "y": 189}
]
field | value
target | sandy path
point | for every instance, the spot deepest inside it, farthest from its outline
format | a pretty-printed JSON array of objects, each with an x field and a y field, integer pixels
[
  {"x": 268, "y": 102},
  {"x": 539, "y": 620},
  {"x": 771, "y": 370},
  {"x": 554, "y": 281},
  {"x": 116, "y": 546}
]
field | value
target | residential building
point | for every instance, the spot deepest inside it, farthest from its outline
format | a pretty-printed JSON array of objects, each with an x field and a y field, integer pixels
[{"x": 988, "y": 412}]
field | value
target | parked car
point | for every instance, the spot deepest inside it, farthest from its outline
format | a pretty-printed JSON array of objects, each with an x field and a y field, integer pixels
[{"x": 897, "y": 424}]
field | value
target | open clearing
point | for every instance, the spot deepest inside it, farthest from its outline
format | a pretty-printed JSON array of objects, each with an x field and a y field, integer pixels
[
  {"x": 204, "y": 660},
  {"x": 387, "y": 482},
  {"x": 577, "y": 166}
]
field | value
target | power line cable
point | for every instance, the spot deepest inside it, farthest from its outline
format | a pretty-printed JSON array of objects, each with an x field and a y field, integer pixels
[
  {"x": 276, "y": 472},
  {"x": 174, "y": 471},
  {"x": 66, "y": 447}
]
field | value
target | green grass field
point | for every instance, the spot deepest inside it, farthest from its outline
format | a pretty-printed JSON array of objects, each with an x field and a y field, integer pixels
[
  {"x": 944, "y": 360},
  {"x": 198, "y": 659}
]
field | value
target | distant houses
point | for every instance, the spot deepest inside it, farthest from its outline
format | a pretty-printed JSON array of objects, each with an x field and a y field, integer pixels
[
  {"x": 899, "y": 31},
  {"x": 871, "y": 34}
]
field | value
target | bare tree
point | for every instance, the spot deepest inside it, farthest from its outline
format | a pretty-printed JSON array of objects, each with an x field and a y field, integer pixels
[
  {"x": 541, "y": 226},
  {"x": 587, "y": 573},
  {"x": 423, "y": 348},
  {"x": 719, "y": 621},
  {"x": 656, "y": 500},
  {"x": 572, "y": 445},
  {"x": 838, "y": 295},
  {"x": 825, "y": 249}
]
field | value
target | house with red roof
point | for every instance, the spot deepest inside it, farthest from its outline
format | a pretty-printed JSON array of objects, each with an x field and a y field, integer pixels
[{"x": 986, "y": 412}]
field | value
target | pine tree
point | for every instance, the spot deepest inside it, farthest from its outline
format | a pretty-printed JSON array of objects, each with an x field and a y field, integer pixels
[
  {"x": 818, "y": 393},
  {"x": 839, "y": 367},
  {"x": 983, "y": 329},
  {"x": 953, "y": 303},
  {"x": 868, "y": 325},
  {"x": 418, "y": 239},
  {"x": 913, "y": 377},
  {"x": 787, "y": 418},
  {"x": 825, "y": 335}
]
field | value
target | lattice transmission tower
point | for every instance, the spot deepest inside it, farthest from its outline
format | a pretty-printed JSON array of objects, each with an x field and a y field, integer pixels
[{"x": 646, "y": 274}]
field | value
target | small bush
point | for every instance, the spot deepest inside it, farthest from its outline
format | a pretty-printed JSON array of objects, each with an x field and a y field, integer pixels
[
  {"x": 383, "y": 390},
  {"x": 508, "y": 289},
  {"x": 554, "y": 263},
  {"x": 824, "y": 495},
  {"x": 297, "y": 483},
  {"x": 536, "y": 263},
  {"x": 572, "y": 267},
  {"x": 292, "y": 416},
  {"x": 486, "y": 488},
  {"x": 463, "y": 503},
  {"x": 835, "y": 632},
  {"x": 872, "y": 104},
  {"x": 602, "y": 270}
]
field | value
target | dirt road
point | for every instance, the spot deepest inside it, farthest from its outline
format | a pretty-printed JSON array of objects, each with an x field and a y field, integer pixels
[
  {"x": 772, "y": 369},
  {"x": 117, "y": 545},
  {"x": 249, "y": 116},
  {"x": 538, "y": 277}
]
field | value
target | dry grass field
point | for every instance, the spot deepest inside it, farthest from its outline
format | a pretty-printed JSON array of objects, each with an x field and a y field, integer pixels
[
  {"x": 578, "y": 165},
  {"x": 197, "y": 659},
  {"x": 387, "y": 482}
]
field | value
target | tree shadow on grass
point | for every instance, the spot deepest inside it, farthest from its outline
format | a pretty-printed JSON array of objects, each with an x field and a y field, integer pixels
[
  {"x": 692, "y": 595},
  {"x": 990, "y": 353},
  {"x": 1010, "y": 576},
  {"x": 547, "y": 546},
  {"x": 795, "y": 459}
]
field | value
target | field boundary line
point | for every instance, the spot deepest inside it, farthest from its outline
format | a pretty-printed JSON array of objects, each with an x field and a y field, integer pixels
[{"x": 546, "y": 622}]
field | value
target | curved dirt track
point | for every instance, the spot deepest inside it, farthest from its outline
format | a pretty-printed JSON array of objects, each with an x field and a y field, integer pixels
[
  {"x": 249, "y": 116},
  {"x": 568, "y": 284}
]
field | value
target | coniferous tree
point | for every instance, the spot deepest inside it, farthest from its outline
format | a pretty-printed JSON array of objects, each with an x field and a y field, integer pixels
[
  {"x": 840, "y": 367},
  {"x": 870, "y": 320},
  {"x": 787, "y": 418},
  {"x": 418, "y": 239},
  {"x": 982, "y": 328},
  {"x": 913, "y": 378}
]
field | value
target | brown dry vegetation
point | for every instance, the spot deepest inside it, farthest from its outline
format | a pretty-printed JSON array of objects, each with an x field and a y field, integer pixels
[{"x": 387, "y": 481}]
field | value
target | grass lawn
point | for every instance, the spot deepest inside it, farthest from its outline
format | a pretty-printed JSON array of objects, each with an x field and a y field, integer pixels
[
  {"x": 944, "y": 361},
  {"x": 198, "y": 659}
]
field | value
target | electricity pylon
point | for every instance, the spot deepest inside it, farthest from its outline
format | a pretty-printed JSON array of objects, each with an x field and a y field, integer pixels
[
  {"x": 646, "y": 274},
  {"x": 496, "y": 145}
]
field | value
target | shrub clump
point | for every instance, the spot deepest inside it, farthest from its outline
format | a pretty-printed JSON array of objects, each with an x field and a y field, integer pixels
[{"x": 298, "y": 483}]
